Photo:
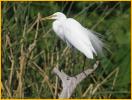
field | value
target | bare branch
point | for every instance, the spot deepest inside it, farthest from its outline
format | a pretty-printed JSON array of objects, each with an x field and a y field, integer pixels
[
  {"x": 70, "y": 83},
  {"x": 85, "y": 73}
]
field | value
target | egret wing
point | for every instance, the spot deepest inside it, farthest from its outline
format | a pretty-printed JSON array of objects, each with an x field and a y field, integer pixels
[
  {"x": 76, "y": 35},
  {"x": 96, "y": 42}
]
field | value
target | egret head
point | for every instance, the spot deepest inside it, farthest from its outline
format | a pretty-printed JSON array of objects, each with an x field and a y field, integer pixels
[{"x": 56, "y": 16}]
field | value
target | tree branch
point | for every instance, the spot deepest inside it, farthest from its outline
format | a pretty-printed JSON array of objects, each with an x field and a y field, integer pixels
[
  {"x": 85, "y": 73},
  {"x": 70, "y": 83}
]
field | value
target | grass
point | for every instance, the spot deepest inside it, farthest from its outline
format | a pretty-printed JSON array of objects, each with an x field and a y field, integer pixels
[{"x": 30, "y": 50}]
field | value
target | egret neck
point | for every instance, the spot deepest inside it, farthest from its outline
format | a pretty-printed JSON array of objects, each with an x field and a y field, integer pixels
[{"x": 58, "y": 27}]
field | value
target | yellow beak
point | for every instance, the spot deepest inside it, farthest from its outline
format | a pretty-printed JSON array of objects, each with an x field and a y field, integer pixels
[{"x": 48, "y": 17}]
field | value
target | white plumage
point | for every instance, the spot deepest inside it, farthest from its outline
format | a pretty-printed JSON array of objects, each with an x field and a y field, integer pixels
[{"x": 73, "y": 33}]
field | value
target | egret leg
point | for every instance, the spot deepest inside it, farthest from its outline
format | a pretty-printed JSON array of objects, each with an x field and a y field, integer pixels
[
  {"x": 73, "y": 57},
  {"x": 84, "y": 63},
  {"x": 74, "y": 61}
]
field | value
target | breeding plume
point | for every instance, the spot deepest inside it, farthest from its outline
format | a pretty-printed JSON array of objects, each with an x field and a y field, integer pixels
[{"x": 74, "y": 34}]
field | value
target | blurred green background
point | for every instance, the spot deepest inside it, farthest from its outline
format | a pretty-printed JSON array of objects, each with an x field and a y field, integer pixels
[{"x": 30, "y": 51}]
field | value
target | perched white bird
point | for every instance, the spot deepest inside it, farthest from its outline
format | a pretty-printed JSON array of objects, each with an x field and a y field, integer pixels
[{"x": 74, "y": 34}]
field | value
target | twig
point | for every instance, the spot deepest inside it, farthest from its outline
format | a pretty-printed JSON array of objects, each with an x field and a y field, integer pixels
[
  {"x": 22, "y": 63},
  {"x": 32, "y": 26},
  {"x": 105, "y": 80},
  {"x": 56, "y": 85},
  {"x": 89, "y": 89},
  {"x": 70, "y": 83},
  {"x": 103, "y": 17},
  {"x": 83, "y": 10},
  {"x": 42, "y": 73},
  {"x": 11, "y": 57},
  {"x": 8, "y": 90},
  {"x": 32, "y": 46},
  {"x": 69, "y": 10},
  {"x": 115, "y": 78}
]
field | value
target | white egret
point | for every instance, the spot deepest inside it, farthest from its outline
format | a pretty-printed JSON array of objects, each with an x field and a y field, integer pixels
[{"x": 74, "y": 34}]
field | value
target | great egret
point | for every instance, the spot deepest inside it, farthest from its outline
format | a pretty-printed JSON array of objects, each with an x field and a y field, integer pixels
[{"x": 74, "y": 34}]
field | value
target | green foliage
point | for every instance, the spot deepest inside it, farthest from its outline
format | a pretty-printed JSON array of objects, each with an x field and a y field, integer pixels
[{"x": 110, "y": 19}]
